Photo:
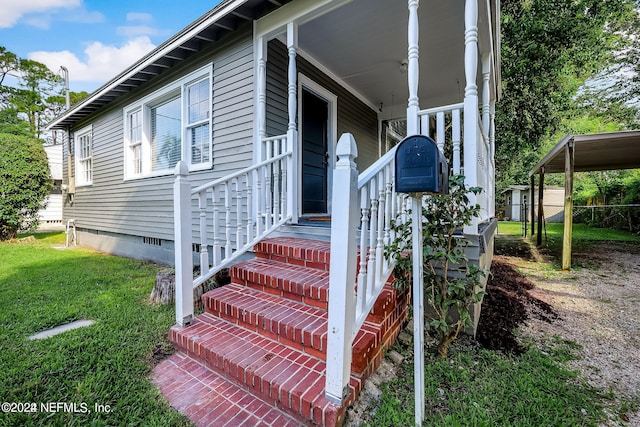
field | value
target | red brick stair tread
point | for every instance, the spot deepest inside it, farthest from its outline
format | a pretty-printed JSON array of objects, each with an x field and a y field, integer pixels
[
  {"x": 314, "y": 253},
  {"x": 208, "y": 399},
  {"x": 291, "y": 281},
  {"x": 271, "y": 315},
  {"x": 276, "y": 373}
]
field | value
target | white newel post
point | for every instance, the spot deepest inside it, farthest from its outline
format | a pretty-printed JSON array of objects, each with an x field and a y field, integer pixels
[
  {"x": 292, "y": 132},
  {"x": 413, "y": 126},
  {"x": 342, "y": 273},
  {"x": 470, "y": 151},
  {"x": 183, "y": 256}
]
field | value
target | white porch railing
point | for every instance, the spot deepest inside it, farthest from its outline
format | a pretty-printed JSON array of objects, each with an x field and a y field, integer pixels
[
  {"x": 235, "y": 212},
  {"x": 368, "y": 202},
  {"x": 446, "y": 131}
]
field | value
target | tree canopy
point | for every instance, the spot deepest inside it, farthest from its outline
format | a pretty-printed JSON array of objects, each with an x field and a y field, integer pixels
[{"x": 550, "y": 48}]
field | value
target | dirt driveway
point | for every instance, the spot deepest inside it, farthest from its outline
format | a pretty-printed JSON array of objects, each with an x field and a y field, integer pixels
[{"x": 599, "y": 307}]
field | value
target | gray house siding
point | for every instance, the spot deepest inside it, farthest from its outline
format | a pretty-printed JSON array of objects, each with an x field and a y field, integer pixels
[
  {"x": 114, "y": 208},
  {"x": 354, "y": 116}
]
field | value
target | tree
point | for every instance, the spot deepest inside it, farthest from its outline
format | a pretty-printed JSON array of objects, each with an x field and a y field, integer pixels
[
  {"x": 10, "y": 122},
  {"x": 25, "y": 182},
  {"x": 549, "y": 49},
  {"x": 31, "y": 87}
]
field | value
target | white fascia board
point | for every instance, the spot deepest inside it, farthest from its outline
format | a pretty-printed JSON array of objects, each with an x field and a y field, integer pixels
[{"x": 223, "y": 10}]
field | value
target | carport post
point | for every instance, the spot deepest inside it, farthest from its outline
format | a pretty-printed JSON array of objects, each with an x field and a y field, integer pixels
[
  {"x": 532, "y": 200},
  {"x": 568, "y": 205},
  {"x": 540, "y": 207}
]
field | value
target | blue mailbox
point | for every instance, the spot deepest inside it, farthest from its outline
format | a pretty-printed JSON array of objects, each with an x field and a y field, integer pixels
[{"x": 421, "y": 167}]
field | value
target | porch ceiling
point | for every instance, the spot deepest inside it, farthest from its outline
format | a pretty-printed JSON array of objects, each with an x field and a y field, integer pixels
[{"x": 364, "y": 42}]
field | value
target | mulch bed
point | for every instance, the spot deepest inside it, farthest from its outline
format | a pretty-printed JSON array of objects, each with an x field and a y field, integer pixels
[{"x": 506, "y": 305}]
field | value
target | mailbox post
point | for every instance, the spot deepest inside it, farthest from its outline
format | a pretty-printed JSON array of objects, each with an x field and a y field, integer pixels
[{"x": 420, "y": 168}]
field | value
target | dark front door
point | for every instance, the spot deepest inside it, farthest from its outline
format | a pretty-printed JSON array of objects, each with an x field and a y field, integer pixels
[{"x": 314, "y": 153}]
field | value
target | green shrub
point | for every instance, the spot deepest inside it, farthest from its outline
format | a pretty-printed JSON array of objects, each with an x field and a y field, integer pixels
[
  {"x": 448, "y": 296},
  {"x": 25, "y": 182}
]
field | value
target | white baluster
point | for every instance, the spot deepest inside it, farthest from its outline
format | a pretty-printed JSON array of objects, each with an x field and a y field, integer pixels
[
  {"x": 455, "y": 136},
  {"x": 249, "y": 198},
  {"x": 227, "y": 221},
  {"x": 440, "y": 131},
  {"x": 268, "y": 197},
  {"x": 486, "y": 94},
  {"x": 382, "y": 188},
  {"x": 425, "y": 129},
  {"x": 259, "y": 201},
  {"x": 362, "y": 274},
  {"x": 276, "y": 192},
  {"x": 373, "y": 231},
  {"x": 217, "y": 244},
  {"x": 204, "y": 250},
  {"x": 389, "y": 210},
  {"x": 239, "y": 226}
]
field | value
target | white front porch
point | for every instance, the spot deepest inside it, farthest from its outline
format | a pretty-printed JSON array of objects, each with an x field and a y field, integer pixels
[{"x": 359, "y": 45}]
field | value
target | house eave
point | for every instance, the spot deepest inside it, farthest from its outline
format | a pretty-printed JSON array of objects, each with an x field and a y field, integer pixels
[{"x": 212, "y": 26}]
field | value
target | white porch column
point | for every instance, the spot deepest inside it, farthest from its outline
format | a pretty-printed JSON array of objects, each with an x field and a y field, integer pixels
[
  {"x": 492, "y": 159},
  {"x": 292, "y": 131},
  {"x": 471, "y": 104},
  {"x": 413, "y": 125},
  {"x": 261, "y": 110}
]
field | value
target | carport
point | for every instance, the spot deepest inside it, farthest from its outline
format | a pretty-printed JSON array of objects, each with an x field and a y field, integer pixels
[{"x": 582, "y": 153}]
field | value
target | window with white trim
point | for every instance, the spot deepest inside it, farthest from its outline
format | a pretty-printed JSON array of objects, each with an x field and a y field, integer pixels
[
  {"x": 169, "y": 125},
  {"x": 84, "y": 156}
]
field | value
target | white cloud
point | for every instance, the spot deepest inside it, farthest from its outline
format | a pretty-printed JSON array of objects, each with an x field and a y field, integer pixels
[
  {"x": 100, "y": 63},
  {"x": 139, "y": 16},
  {"x": 144, "y": 27},
  {"x": 12, "y": 10},
  {"x": 139, "y": 30}
]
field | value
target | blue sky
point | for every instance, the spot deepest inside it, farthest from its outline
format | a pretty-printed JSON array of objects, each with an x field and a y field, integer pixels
[{"x": 94, "y": 39}]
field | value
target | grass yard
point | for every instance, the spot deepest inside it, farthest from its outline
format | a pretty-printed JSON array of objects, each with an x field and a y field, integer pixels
[
  {"x": 107, "y": 363},
  {"x": 477, "y": 387},
  {"x": 584, "y": 238}
]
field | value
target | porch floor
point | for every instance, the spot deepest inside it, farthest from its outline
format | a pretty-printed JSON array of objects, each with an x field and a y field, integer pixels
[{"x": 257, "y": 355}]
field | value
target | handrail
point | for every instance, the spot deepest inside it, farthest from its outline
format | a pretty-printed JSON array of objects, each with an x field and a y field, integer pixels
[
  {"x": 239, "y": 173},
  {"x": 234, "y": 213},
  {"x": 441, "y": 109}
]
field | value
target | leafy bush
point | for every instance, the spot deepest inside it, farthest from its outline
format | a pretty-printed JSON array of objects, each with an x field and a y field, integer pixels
[
  {"x": 451, "y": 284},
  {"x": 25, "y": 182}
]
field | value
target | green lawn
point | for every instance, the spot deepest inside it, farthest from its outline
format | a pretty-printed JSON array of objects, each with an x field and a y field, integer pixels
[
  {"x": 107, "y": 363},
  {"x": 477, "y": 387},
  {"x": 582, "y": 234}
]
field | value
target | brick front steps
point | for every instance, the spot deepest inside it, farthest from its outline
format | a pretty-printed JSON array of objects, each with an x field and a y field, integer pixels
[{"x": 257, "y": 355}]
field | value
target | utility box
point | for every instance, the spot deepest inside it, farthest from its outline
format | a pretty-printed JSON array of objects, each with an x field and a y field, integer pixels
[{"x": 421, "y": 167}]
